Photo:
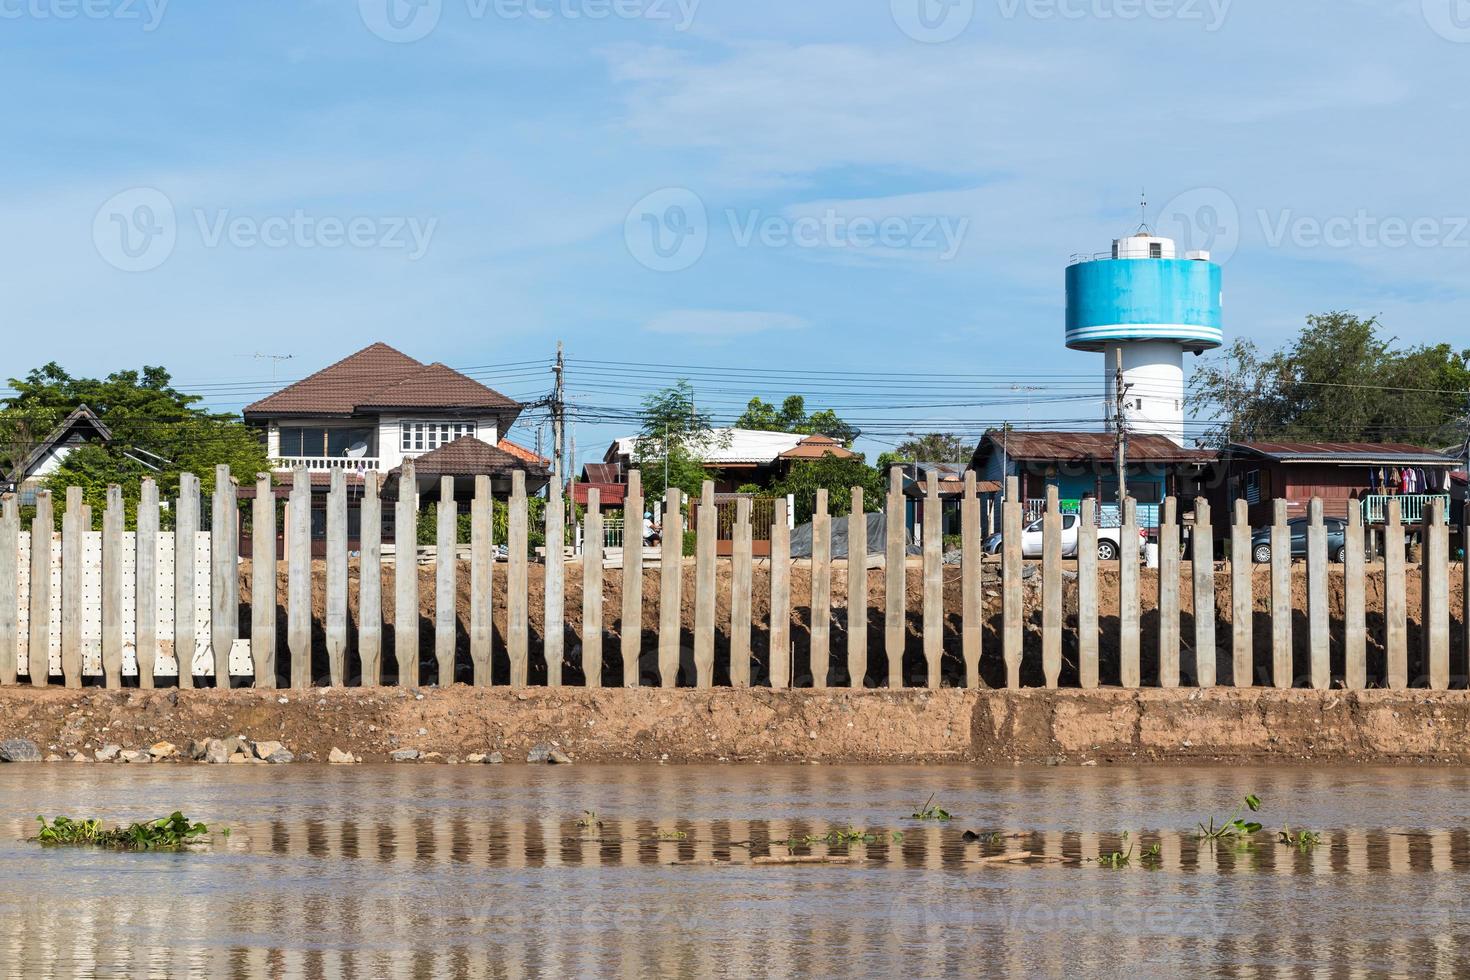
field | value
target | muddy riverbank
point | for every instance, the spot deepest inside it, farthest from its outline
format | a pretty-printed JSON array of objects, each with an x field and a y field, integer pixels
[{"x": 684, "y": 726}]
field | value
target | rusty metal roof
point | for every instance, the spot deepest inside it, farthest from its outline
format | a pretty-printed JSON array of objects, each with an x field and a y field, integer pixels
[
  {"x": 1354, "y": 453},
  {"x": 1073, "y": 446}
]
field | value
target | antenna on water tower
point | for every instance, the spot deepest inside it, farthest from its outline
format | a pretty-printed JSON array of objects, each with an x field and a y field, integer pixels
[{"x": 1143, "y": 227}]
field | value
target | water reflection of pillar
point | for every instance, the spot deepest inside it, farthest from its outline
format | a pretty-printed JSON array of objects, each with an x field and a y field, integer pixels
[
  {"x": 1398, "y": 851},
  {"x": 1089, "y": 846}
]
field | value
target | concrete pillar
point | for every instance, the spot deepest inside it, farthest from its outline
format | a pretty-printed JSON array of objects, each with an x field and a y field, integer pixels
[
  {"x": 38, "y": 641},
  {"x": 895, "y": 585},
  {"x": 263, "y": 583},
  {"x": 1318, "y": 638},
  {"x": 72, "y": 530},
  {"x": 145, "y": 584},
  {"x": 554, "y": 612},
  {"x": 1087, "y": 612},
  {"x": 9, "y": 589},
  {"x": 1129, "y": 627},
  {"x": 406, "y": 577},
  {"x": 112, "y": 588},
  {"x": 1395, "y": 599},
  {"x": 1242, "y": 600},
  {"x": 821, "y": 593},
  {"x": 1281, "y": 610},
  {"x": 482, "y": 576},
  {"x": 1465, "y": 584},
  {"x": 446, "y": 581},
  {"x": 186, "y": 531},
  {"x": 780, "y": 632},
  {"x": 704, "y": 587},
  {"x": 1012, "y": 610},
  {"x": 1355, "y": 613},
  {"x": 224, "y": 574},
  {"x": 298, "y": 578},
  {"x": 592, "y": 590},
  {"x": 335, "y": 626},
  {"x": 1435, "y": 610},
  {"x": 671, "y": 589},
  {"x": 630, "y": 624},
  {"x": 1051, "y": 589},
  {"x": 370, "y": 583},
  {"x": 857, "y": 592},
  {"x": 740, "y": 595},
  {"x": 972, "y": 599},
  {"x": 1169, "y": 594},
  {"x": 933, "y": 582},
  {"x": 518, "y": 627},
  {"x": 1202, "y": 565}
]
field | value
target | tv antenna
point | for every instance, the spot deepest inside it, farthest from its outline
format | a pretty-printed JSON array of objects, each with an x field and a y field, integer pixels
[
  {"x": 1143, "y": 212},
  {"x": 275, "y": 360}
]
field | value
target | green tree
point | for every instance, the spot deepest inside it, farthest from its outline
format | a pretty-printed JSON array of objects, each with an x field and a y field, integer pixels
[
  {"x": 792, "y": 417},
  {"x": 836, "y": 476},
  {"x": 1339, "y": 380},
  {"x": 157, "y": 431},
  {"x": 934, "y": 447},
  {"x": 671, "y": 447}
]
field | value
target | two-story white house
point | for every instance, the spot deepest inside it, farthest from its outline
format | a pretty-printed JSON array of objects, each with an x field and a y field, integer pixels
[{"x": 373, "y": 409}]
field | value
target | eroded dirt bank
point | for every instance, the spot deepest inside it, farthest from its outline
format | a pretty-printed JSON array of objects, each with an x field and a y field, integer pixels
[{"x": 985, "y": 727}]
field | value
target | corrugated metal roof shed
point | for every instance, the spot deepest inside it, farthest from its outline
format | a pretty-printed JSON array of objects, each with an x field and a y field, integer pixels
[{"x": 1353, "y": 453}]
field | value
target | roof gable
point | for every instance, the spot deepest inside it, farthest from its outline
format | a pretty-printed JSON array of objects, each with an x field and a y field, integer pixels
[{"x": 82, "y": 421}]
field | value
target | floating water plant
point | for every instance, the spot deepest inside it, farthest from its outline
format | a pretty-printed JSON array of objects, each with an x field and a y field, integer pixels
[
  {"x": 931, "y": 812},
  {"x": 1303, "y": 839},
  {"x": 1237, "y": 827},
  {"x": 173, "y": 832},
  {"x": 588, "y": 820}
]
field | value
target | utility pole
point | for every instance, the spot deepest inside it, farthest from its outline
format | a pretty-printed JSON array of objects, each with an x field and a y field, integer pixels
[
  {"x": 1120, "y": 429},
  {"x": 558, "y": 419}
]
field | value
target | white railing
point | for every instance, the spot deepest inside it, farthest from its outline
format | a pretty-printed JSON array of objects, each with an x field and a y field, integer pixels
[{"x": 326, "y": 464}]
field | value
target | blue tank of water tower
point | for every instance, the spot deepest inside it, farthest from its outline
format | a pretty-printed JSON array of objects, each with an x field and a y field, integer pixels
[{"x": 1114, "y": 300}]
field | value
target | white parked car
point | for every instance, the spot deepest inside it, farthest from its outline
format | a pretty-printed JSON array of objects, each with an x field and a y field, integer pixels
[{"x": 1109, "y": 540}]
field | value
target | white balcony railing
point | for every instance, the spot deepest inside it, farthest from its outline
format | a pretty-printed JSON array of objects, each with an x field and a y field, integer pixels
[{"x": 326, "y": 464}]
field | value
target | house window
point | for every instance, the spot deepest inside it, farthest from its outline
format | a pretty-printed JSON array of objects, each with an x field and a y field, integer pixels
[
  {"x": 423, "y": 437},
  {"x": 1257, "y": 486},
  {"x": 1156, "y": 250},
  {"x": 302, "y": 442}
]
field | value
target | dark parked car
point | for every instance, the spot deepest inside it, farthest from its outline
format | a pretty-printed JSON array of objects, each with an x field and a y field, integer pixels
[{"x": 1336, "y": 540}]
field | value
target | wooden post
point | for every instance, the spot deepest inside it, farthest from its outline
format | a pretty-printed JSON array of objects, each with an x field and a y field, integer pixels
[
  {"x": 262, "y": 583},
  {"x": 335, "y": 624},
  {"x": 1012, "y": 610},
  {"x": 406, "y": 577},
  {"x": 224, "y": 574},
  {"x": 1318, "y": 638},
  {"x": 112, "y": 588},
  {"x": 1087, "y": 612},
  {"x": 9, "y": 589},
  {"x": 895, "y": 585},
  {"x": 706, "y": 533},
  {"x": 740, "y": 595},
  {"x": 1202, "y": 565},
  {"x": 1051, "y": 588},
  {"x": 630, "y": 625},
  {"x": 821, "y": 593},
  {"x": 370, "y": 583},
  {"x": 39, "y": 639},
  {"x": 71, "y": 588},
  {"x": 592, "y": 590},
  {"x": 857, "y": 592},
  {"x": 1242, "y": 600},
  {"x": 446, "y": 581},
  {"x": 482, "y": 576},
  {"x": 1355, "y": 613},
  {"x": 933, "y": 582},
  {"x": 671, "y": 588},
  {"x": 1129, "y": 627},
  {"x": 298, "y": 578},
  {"x": 186, "y": 531},
  {"x": 1168, "y": 604},
  {"x": 1395, "y": 599},
  {"x": 1281, "y": 610},
  {"x": 1435, "y": 610},
  {"x": 554, "y": 613},
  {"x": 972, "y": 599},
  {"x": 145, "y": 584},
  {"x": 518, "y": 626},
  {"x": 780, "y": 633}
]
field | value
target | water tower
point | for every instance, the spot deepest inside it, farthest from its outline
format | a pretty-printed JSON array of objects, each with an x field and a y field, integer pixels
[{"x": 1144, "y": 305}]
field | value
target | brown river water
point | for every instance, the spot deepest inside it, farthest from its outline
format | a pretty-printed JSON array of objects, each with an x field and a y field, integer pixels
[{"x": 485, "y": 871}]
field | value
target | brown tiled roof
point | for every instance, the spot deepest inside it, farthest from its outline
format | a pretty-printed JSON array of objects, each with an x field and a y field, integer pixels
[
  {"x": 1068, "y": 446},
  {"x": 522, "y": 453},
  {"x": 380, "y": 377},
  {"x": 468, "y": 456},
  {"x": 815, "y": 447}
]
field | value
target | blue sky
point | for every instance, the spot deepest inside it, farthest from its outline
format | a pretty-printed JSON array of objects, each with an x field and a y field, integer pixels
[{"x": 883, "y": 187}]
